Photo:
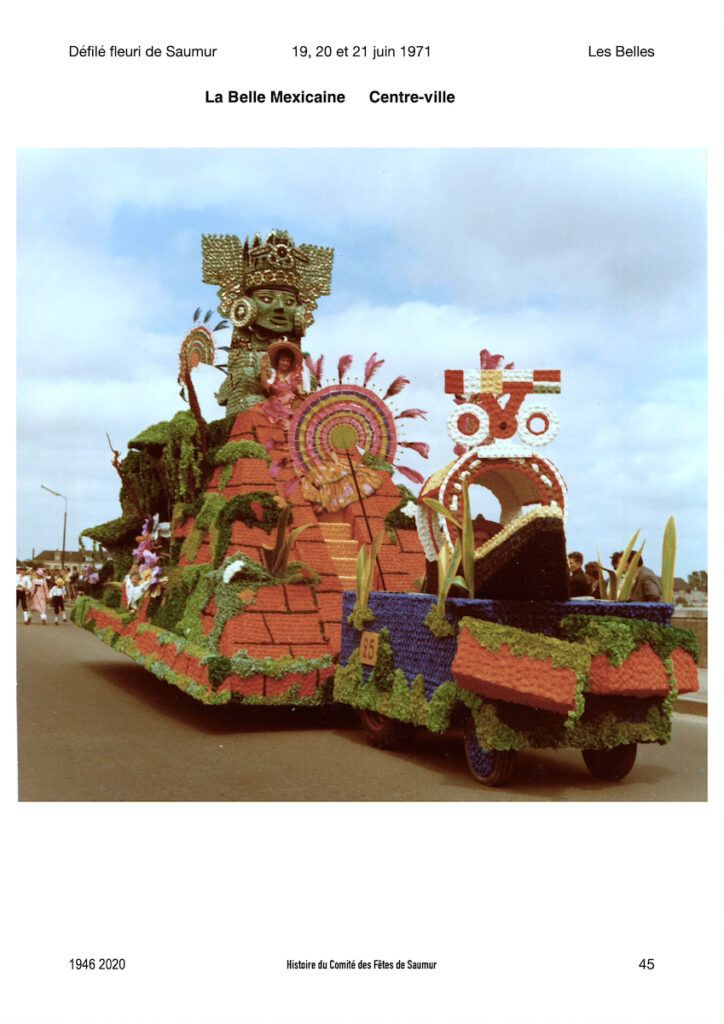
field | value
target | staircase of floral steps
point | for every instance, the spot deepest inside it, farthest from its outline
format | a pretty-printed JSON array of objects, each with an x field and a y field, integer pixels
[{"x": 343, "y": 549}]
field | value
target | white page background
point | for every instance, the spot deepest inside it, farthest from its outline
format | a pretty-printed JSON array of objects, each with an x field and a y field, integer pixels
[{"x": 534, "y": 912}]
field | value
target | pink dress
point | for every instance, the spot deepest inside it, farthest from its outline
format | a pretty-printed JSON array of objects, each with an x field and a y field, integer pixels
[
  {"x": 282, "y": 393},
  {"x": 39, "y": 600}
]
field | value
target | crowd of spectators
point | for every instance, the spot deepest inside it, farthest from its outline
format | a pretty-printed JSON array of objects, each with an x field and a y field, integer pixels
[{"x": 584, "y": 580}]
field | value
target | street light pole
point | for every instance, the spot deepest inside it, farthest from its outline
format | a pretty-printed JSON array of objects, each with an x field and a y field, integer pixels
[{"x": 65, "y": 520}]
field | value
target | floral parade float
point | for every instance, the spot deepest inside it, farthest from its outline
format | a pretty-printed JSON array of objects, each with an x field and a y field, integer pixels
[
  {"x": 238, "y": 537},
  {"x": 509, "y": 656},
  {"x": 269, "y": 558}
]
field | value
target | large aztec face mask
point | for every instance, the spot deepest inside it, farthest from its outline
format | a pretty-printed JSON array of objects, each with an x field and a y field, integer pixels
[{"x": 276, "y": 310}]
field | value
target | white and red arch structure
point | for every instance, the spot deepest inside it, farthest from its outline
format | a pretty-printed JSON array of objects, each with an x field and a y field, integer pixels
[{"x": 497, "y": 425}]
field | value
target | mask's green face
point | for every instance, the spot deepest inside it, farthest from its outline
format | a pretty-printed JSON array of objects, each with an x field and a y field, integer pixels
[{"x": 277, "y": 310}]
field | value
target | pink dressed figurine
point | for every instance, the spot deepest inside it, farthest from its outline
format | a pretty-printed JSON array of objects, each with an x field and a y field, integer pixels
[{"x": 281, "y": 379}]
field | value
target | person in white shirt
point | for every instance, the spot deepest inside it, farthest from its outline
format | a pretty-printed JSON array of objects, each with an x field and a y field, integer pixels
[
  {"x": 57, "y": 596},
  {"x": 23, "y": 587}
]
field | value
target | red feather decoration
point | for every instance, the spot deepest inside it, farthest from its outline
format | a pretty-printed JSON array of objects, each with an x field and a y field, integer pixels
[
  {"x": 411, "y": 474},
  {"x": 315, "y": 369},
  {"x": 411, "y": 414},
  {"x": 395, "y": 387},
  {"x": 372, "y": 366},
  {"x": 342, "y": 366},
  {"x": 488, "y": 361},
  {"x": 421, "y": 447}
]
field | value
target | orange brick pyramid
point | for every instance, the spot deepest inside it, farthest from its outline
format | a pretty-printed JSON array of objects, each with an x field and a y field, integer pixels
[{"x": 290, "y": 619}]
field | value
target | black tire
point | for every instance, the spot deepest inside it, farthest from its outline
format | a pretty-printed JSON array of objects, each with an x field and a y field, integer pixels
[
  {"x": 611, "y": 765},
  {"x": 384, "y": 733},
  {"x": 491, "y": 767}
]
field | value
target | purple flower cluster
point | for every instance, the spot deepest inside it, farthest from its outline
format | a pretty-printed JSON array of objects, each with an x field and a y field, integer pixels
[
  {"x": 147, "y": 575},
  {"x": 89, "y": 575},
  {"x": 147, "y": 554}
]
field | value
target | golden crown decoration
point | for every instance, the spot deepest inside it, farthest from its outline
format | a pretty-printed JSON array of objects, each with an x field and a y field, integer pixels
[{"x": 275, "y": 262}]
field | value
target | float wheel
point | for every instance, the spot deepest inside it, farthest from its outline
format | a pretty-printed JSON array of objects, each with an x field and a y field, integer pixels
[
  {"x": 491, "y": 767},
  {"x": 384, "y": 733},
  {"x": 611, "y": 765}
]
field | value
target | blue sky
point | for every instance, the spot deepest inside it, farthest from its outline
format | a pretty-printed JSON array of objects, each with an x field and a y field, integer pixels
[{"x": 591, "y": 261}]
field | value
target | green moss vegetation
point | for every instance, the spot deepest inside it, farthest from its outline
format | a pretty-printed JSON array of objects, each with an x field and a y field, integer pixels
[
  {"x": 166, "y": 464},
  {"x": 249, "y": 578},
  {"x": 171, "y": 607},
  {"x": 182, "y": 459},
  {"x": 234, "y": 450},
  {"x": 244, "y": 666},
  {"x": 200, "y": 583},
  {"x": 216, "y": 516},
  {"x": 125, "y": 645},
  {"x": 375, "y": 462},
  {"x": 217, "y": 432},
  {"x": 382, "y": 672},
  {"x": 184, "y": 509},
  {"x": 388, "y": 692},
  {"x": 361, "y": 615},
  {"x": 396, "y": 519},
  {"x": 145, "y": 486},
  {"x": 153, "y": 437},
  {"x": 447, "y": 566},
  {"x": 290, "y": 696},
  {"x": 80, "y": 610},
  {"x": 206, "y": 520},
  {"x": 118, "y": 533},
  {"x": 112, "y": 597},
  {"x": 84, "y": 604},
  {"x": 164, "y": 472},
  {"x": 560, "y": 653},
  {"x": 603, "y": 722},
  {"x": 258, "y": 509},
  {"x": 219, "y": 667},
  {"x": 359, "y": 618},
  {"x": 189, "y": 591},
  {"x": 438, "y": 624},
  {"x": 619, "y": 638}
]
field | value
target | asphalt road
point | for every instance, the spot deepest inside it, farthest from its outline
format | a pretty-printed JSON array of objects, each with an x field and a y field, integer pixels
[{"x": 94, "y": 726}]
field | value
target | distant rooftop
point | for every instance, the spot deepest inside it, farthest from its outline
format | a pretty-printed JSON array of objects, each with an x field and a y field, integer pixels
[{"x": 71, "y": 557}]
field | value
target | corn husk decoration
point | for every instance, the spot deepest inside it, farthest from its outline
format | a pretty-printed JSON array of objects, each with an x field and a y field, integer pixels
[
  {"x": 277, "y": 555},
  {"x": 668, "y": 561}
]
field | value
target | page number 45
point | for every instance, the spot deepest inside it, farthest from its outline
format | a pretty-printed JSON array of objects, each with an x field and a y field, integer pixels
[{"x": 647, "y": 964}]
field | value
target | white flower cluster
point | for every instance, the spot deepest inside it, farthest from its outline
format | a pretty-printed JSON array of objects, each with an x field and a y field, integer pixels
[
  {"x": 232, "y": 569},
  {"x": 544, "y": 414},
  {"x": 475, "y": 411}
]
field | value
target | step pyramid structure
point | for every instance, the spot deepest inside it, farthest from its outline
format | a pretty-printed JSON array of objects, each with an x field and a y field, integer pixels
[{"x": 224, "y": 628}]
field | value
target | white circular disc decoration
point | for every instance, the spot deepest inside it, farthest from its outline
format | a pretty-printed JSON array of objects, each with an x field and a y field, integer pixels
[
  {"x": 468, "y": 424},
  {"x": 537, "y": 425},
  {"x": 242, "y": 312}
]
